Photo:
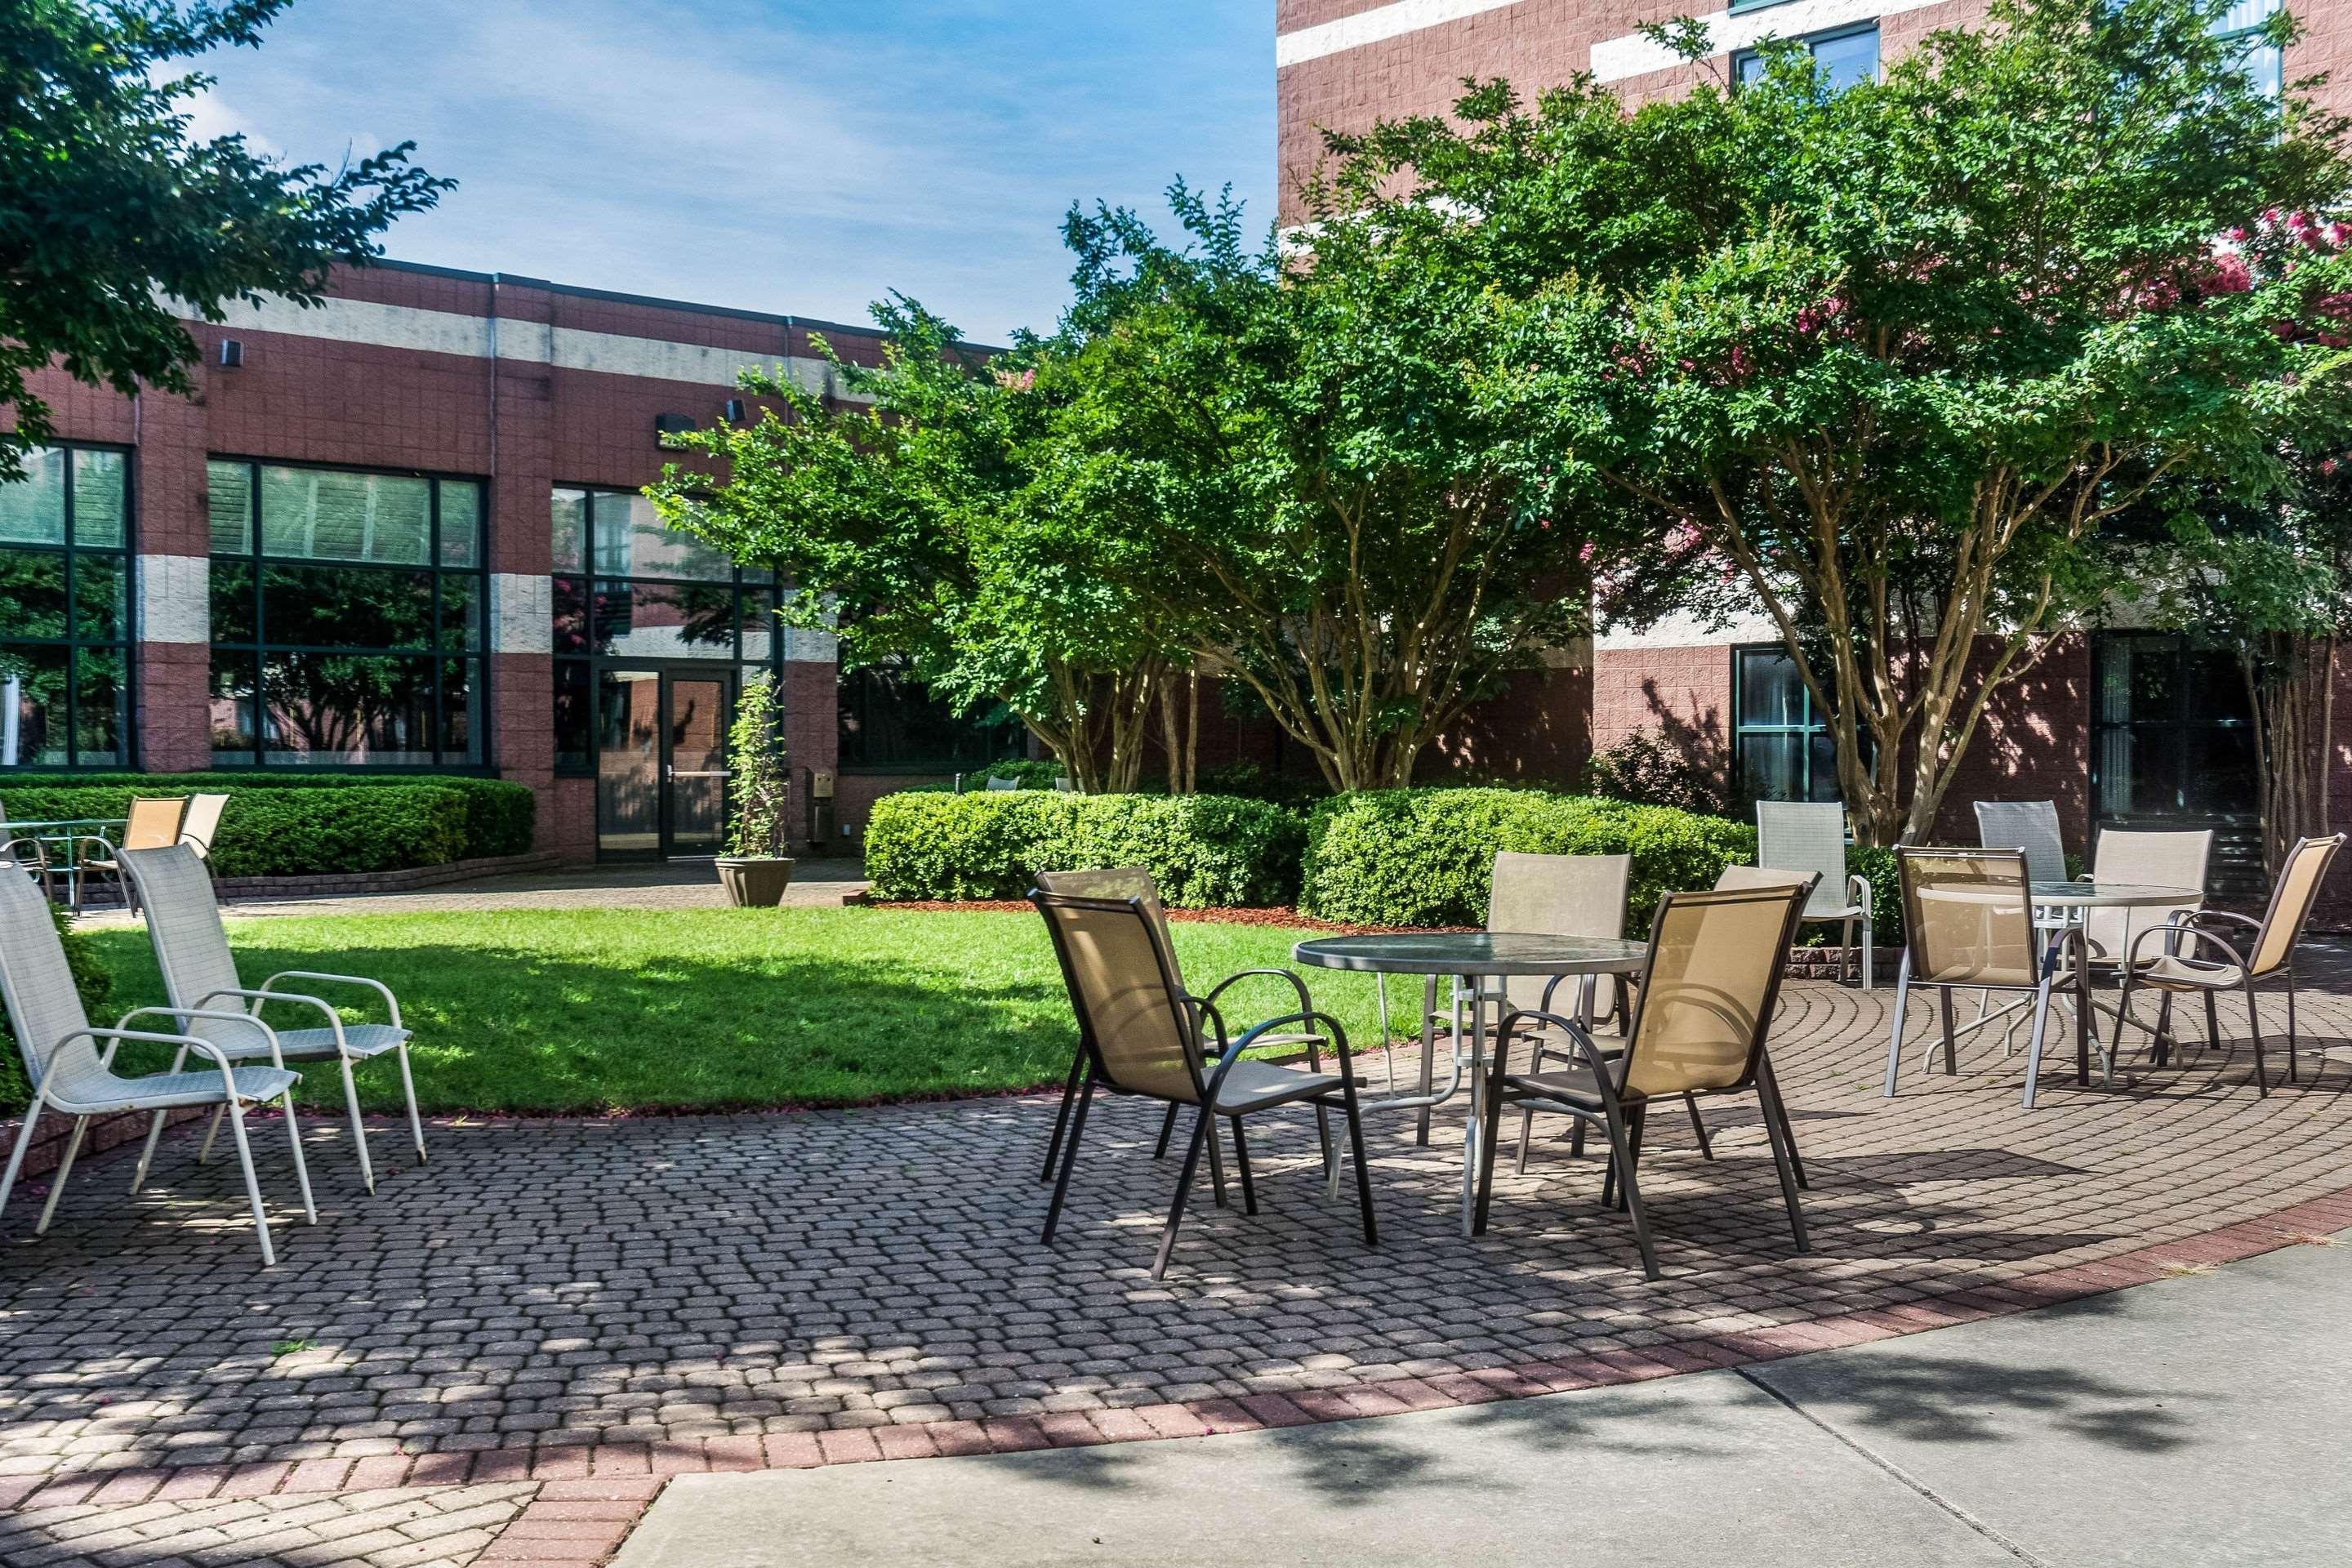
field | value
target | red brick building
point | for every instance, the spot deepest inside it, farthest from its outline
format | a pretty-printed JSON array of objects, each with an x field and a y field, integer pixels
[
  {"x": 401, "y": 530},
  {"x": 2119, "y": 727}
]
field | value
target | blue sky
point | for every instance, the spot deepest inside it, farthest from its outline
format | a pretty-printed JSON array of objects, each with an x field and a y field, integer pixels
[{"x": 799, "y": 157}]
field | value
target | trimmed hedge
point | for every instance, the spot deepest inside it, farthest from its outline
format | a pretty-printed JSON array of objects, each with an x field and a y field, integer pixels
[
  {"x": 1426, "y": 857},
  {"x": 499, "y": 816},
  {"x": 91, "y": 979},
  {"x": 294, "y": 832},
  {"x": 1205, "y": 851}
]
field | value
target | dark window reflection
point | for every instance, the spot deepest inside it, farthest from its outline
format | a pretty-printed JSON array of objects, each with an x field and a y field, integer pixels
[
  {"x": 573, "y": 717},
  {"x": 65, "y": 616},
  {"x": 890, "y": 721}
]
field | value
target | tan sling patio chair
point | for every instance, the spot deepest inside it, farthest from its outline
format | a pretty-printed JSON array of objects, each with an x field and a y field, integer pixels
[
  {"x": 152, "y": 822},
  {"x": 1144, "y": 1036},
  {"x": 70, "y": 1065},
  {"x": 1971, "y": 925},
  {"x": 2213, "y": 964},
  {"x": 1700, "y": 1017},
  {"x": 1135, "y": 882},
  {"x": 202, "y": 825},
  {"x": 183, "y": 925}
]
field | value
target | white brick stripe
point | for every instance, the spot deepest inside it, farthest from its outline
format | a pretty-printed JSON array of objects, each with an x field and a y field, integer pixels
[
  {"x": 175, "y": 599},
  {"x": 1370, "y": 26},
  {"x": 1614, "y": 59}
]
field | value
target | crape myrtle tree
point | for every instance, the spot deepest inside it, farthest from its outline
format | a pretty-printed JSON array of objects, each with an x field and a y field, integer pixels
[
  {"x": 113, "y": 218},
  {"x": 1888, "y": 359},
  {"x": 909, "y": 522},
  {"x": 1328, "y": 468}
]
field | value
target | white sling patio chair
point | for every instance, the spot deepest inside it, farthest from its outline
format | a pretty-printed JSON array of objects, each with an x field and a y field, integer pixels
[
  {"x": 192, "y": 950},
  {"x": 2029, "y": 826},
  {"x": 71, "y": 1065},
  {"x": 1809, "y": 836}
]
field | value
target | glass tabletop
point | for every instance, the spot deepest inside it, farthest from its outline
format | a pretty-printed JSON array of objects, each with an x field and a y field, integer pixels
[
  {"x": 1473, "y": 953},
  {"x": 2112, "y": 895}
]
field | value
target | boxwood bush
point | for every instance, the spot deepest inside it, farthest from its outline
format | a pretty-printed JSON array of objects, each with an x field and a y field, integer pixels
[
  {"x": 499, "y": 816},
  {"x": 1205, "y": 851},
  {"x": 1426, "y": 857},
  {"x": 296, "y": 832}
]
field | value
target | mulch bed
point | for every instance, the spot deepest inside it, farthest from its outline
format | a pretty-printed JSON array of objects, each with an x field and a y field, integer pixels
[{"x": 1285, "y": 918}]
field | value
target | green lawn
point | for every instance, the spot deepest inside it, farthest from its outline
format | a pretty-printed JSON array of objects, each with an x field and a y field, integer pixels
[{"x": 589, "y": 1010}]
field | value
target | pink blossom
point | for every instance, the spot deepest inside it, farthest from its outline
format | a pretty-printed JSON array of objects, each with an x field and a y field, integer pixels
[
  {"x": 1584, "y": 552},
  {"x": 2229, "y": 275},
  {"x": 1017, "y": 380},
  {"x": 2327, "y": 466}
]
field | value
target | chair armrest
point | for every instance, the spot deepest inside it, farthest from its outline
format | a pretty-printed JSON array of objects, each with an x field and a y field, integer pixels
[
  {"x": 1326, "y": 1024},
  {"x": 1306, "y": 1003},
  {"x": 391, "y": 1002},
  {"x": 190, "y": 1042},
  {"x": 1857, "y": 892},
  {"x": 1582, "y": 1040},
  {"x": 40, "y": 856},
  {"x": 2174, "y": 932},
  {"x": 218, "y": 1015},
  {"x": 253, "y": 1014},
  {"x": 2198, "y": 917}
]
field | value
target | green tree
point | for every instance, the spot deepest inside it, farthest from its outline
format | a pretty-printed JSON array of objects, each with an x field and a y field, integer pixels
[
  {"x": 114, "y": 220},
  {"x": 1890, "y": 358}
]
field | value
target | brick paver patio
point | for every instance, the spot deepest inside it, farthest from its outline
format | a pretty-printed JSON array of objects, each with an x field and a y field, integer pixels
[{"x": 596, "y": 1304}]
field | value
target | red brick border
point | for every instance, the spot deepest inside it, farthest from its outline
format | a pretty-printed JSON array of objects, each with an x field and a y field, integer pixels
[{"x": 626, "y": 1477}]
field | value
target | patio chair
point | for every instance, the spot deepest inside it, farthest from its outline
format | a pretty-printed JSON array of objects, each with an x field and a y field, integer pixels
[
  {"x": 152, "y": 822},
  {"x": 2163, "y": 859},
  {"x": 202, "y": 824},
  {"x": 183, "y": 925},
  {"x": 997, "y": 783},
  {"x": 2029, "y": 826},
  {"x": 1135, "y": 882},
  {"x": 1143, "y": 1034},
  {"x": 1809, "y": 836},
  {"x": 26, "y": 855},
  {"x": 73, "y": 1073},
  {"x": 1970, "y": 926},
  {"x": 1700, "y": 1018},
  {"x": 2215, "y": 964}
]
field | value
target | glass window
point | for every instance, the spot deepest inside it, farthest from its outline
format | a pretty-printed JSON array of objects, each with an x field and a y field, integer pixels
[
  {"x": 2172, "y": 745},
  {"x": 628, "y": 591},
  {"x": 2266, "y": 62},
  {"x": 332, "y": 592},
  {"x": 1781, "y": 747},
  {"x": 65, "y": 611},
  {"x": 1845, "y": 57},
  {"x": 889, "y": 722}
]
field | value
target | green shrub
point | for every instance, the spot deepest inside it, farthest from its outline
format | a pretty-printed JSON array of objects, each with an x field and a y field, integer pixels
[
  {"x": 1646, "y": 769},
  {"x": 498, "y": 818},
  {"x": 91, "y": 979},
  {"x": 294, "y": 832},
  {"x": 1426, "y": 857},
  {"x": 1204, "y": 851}
]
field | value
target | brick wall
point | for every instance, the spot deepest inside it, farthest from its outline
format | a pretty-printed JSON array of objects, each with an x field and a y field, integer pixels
[{"x": 1680, "y": 694}]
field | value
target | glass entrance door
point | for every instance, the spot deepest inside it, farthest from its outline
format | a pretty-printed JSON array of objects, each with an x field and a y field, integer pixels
[{"x": 695, "y": 711}]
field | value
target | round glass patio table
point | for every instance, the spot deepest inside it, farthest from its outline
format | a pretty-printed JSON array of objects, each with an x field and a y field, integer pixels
[
  {"x": 1470, "y": 957},
  {"x": 2071, "y": 901}
]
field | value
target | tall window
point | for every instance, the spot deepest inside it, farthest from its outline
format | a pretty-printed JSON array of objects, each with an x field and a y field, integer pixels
[
  {"x": 2266, "y": 62},
  {"x": 65, "y": 611},
  {"x": 2172, "y": 732},
  {"x": 891, "y": 724},
  {"x": 630, "y": 591},
  {"x": 1781, "y": 747},
  {"x": 1847, "y": 57},
  {"x": 347, "y": 618}
]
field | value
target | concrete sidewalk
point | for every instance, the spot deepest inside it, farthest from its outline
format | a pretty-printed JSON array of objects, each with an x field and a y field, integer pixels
[{"x": 2204, "y": 1420}]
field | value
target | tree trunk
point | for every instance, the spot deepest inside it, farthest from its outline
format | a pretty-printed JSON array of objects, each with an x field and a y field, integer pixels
[{"x": 2290, "y": 681}]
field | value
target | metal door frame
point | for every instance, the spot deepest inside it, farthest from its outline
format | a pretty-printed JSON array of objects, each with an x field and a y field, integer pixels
[{"x": 727, "y": 678}]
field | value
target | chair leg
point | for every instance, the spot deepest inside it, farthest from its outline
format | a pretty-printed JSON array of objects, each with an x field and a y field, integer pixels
[
  {"x": 358, "y": 1128},
  {"x": 16, "y": 1155},
  {"x": 205, "y": 1153},
  {"x": 64, "y": 1169},
  {"x": 1894, "y": 1036},
  {"x": 252, "y": 1183},
  {"x": 1624, "y": 1146},
  {"x": 1330, "y": 1151},
  {"x": 1062, "y": 1116},
  {"x": 1706, "y": 1146},
  {"x": 2041, "y": 1032},
  {"x": 1852, "y": 960},
  {"x": 1869, "y": 950},
  {"x": 1069, "y": 1157},
  {"x": 154, "y": 1131},
  {"x": 2212, "y": 1022},
  {"x": 2254, "y": 1027},
  {"x": 1217, "y": 1170},
  {"x": 1492, "y": 1112},
  {"x": 1203, "y": 1131},
  {"x": 1784, "y": 1149},
  {"x": 1241, "y": 1163},
  {"x": 408, "y": 1089},
  {"x": 2294, "y": 1074},
  {"x": 1364, "y": 1167},
  {"x": 2163, "y": 1047},
  {"x": 1527, "y": 1136},
  {"x": 1951, "y": 1044},
  {"x": 1166, "y": 1129},
  {"x": 301, "y": 1166},
  {"x": 1768, "y": 1086},
  {"x": 1575, "y": 1140},
  {"x": 1637, "y": 1124}
]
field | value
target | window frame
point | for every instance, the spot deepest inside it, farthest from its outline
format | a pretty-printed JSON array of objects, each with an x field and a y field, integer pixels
[
  {"x": 125, "y": 642},
  {"x": 258, "y": 561},
  {"x": 740, "y": 581},
  {"x": 921, "y": 767},
  {"x": 1813, "y": 723},
  {"x": 1812, "y": 42}
]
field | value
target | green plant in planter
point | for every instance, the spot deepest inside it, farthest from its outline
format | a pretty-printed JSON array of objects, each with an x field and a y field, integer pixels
[{"x": 762, "y": 783}]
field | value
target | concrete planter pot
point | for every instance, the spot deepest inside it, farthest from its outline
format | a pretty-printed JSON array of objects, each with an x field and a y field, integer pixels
[{"x": 755, "y": 881}]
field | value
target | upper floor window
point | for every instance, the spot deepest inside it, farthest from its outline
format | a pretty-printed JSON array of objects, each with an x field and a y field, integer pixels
[
  {"x": 347, "y": 617},
  {"x": 1846, "y": 56},
  {"x": 2265, "y": 61},
  {"x": 65, "y": 611}
]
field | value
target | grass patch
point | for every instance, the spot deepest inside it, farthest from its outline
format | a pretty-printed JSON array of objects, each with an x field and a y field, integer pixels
[{"x": 602, "y": 1010}]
